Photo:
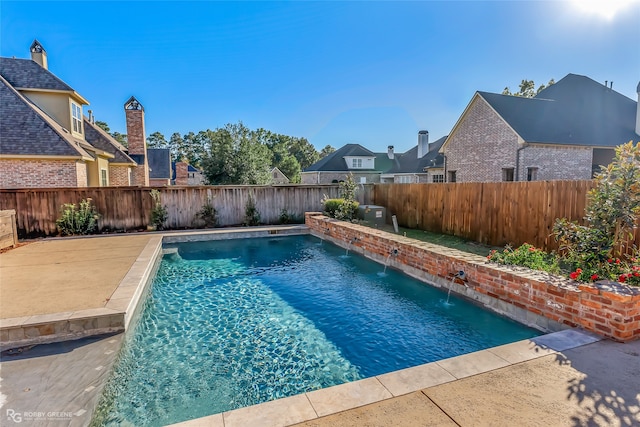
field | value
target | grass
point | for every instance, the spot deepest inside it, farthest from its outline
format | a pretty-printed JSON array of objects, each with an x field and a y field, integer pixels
[{"x": 438, "y": 239}]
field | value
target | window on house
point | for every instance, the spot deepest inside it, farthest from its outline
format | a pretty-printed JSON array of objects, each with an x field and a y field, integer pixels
[
  {"x": 452, "y": 176},
  {"x": 532, "y": 174},
  {"x": 103, "y": 178},
  {"x": 356, "y": 163},
  {"x": 437, "y": 178},
  {"x": 363, "y": 180},
  {"x": 128, "y": 176},
  {"x": 76, "y": 117},
  {"x": 507, "y": 174},
  {"x": 275, "y": 174}
]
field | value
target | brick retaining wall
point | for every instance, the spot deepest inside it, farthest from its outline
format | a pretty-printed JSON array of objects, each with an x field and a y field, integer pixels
[{"x": 536, "y": 298}]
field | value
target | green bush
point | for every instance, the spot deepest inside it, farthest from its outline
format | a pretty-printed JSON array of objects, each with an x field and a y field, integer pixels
[
  {"x": 331, "y": 206},
  {"x": 208, "y": 214},
  {"x": 159, "y": 212},
  {"x": 79, "y": 220},
  {"x": 289, "y": 218},
  {"x": 526, "y": 256},
  {"x": 251, "y": 213}
]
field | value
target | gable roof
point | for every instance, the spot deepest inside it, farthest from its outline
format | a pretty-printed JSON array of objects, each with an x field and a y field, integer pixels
[
  {"x": 97, "y": 137},
  {"x": 159, "y": 163},
  {"x": 335, "y": 161},
  {"x": 409, "y": 162},
  {"x": 574, "y": 111},
  {"x": 29, "y": 131},
  {"x": 28, "y": 74}
]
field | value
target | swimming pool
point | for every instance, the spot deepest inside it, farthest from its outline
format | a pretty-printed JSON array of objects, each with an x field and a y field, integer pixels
[{"x": 237, "y": 322}]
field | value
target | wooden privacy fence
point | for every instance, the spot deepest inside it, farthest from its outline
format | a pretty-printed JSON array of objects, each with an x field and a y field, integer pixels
[
  {"x": 129, "y": 208},
  {"x": 494, "y": 213}
]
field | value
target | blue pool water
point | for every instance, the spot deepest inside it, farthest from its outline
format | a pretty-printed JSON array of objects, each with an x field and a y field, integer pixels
[{"x": 238, "y": 322}]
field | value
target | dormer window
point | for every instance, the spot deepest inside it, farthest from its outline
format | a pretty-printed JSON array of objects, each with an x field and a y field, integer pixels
[
  {"x": 356, "y": 163},
  {"x": 76, "y": 117}
]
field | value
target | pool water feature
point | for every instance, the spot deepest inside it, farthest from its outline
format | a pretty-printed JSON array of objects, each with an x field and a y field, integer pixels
[{"x": 238, "y": 322}]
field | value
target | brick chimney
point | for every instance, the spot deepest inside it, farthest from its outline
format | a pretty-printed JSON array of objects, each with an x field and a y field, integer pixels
[
  {"x": 182, "y": 173},
  {"x": 38, "y": 54},
  {"x": 137, "y": 141},
  {"x": 423, "y": 143}
]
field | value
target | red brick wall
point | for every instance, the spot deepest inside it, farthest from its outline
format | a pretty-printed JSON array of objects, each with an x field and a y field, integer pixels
[
  {"x": 137, "y": 145},
  {"x": 182, "y": 173},
  {"x": 18, "y": 173},
  {"x": 481, "y": 145},
  {"x": 119, "y": 176},
  {"x": 609, "y": 310}
]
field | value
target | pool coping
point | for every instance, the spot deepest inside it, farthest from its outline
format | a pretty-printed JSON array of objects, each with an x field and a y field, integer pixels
[
  {"x": 124, "y": 303},
  {"x": 332, "y": 400}
]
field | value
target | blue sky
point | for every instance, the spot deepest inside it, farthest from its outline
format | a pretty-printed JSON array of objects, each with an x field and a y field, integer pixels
[{"x": 367, "y": 72}]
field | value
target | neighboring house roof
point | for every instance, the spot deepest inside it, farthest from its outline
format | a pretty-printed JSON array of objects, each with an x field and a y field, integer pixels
[
  {"x": 97, "y": 137},
  {"x": 27, "y": 130},
  {"x": 159, "y": 163},
  {"x": 574, "y": 111},
  {"x": 189, "y": 169},
  {"x": 401, "y": 163},
  {"x": 335, "y": 161},
  {"x": 409, "y": 162}
]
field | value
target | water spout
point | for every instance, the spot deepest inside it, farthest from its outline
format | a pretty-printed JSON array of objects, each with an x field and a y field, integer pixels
[{"x": 386, "y": 264}]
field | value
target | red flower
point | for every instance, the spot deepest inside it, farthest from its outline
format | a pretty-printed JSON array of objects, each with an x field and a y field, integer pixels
[
  {"x": 609, "y": 260},
  {"x": 636, "y": 274},
  {"x": 617, "y": 261},
  {"x": 594, "y": 277},
  {"x": 574, "y": 275},
  {"x": 622, "y": 278},
  {"x": 578, "y": 270}
]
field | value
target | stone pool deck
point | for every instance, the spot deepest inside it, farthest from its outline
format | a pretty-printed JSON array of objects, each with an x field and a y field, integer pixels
[{"x": 567, "y": 378}]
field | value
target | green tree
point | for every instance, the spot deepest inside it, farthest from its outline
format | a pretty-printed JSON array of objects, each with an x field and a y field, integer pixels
[
  {"x": 176, "y": 146},
  {"x": 304, "y": 152},
  {"x": 103, "y": 125},
  {"x": 328, "y": 149},
  {"x": 157, "y": 140},
  {"x": 120, "y": 137},
  {"x": 236, "y": 155},
  {"x": 291, "y": 168},
  {"x": 527, "y": 89}
]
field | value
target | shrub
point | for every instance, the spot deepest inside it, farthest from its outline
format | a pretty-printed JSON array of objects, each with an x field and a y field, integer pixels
[
  {"x": 208, "y": 214},
  {"x": 159, "y": 212},
  {"x": 331, "y": 206},
  {"x": 289, "y": 218},
  {"x": 526, "y": 256},
  {"x": 251, "y": 213},
  {"x": 346, "y": 207},
  {"x": 79, "y": 220},
  {"x": 613, "y": 207}
]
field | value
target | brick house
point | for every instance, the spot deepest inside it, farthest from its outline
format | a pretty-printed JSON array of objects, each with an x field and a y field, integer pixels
[
  {"x": 278, "y": 177},
  {"x": 45, "y": 139},
  {"x": 422, "y": 163},
  {"x": 567, "y": 131}
]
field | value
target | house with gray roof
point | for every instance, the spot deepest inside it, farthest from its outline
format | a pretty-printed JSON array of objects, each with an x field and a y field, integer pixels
[
  {"x": 45, "y": 139},
  {"x": 422, "y": 163},
  {"x": 567, "y": 131}
]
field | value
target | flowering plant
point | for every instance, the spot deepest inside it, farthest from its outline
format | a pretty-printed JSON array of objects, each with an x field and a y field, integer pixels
[{"x": 526, "y": 256}]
